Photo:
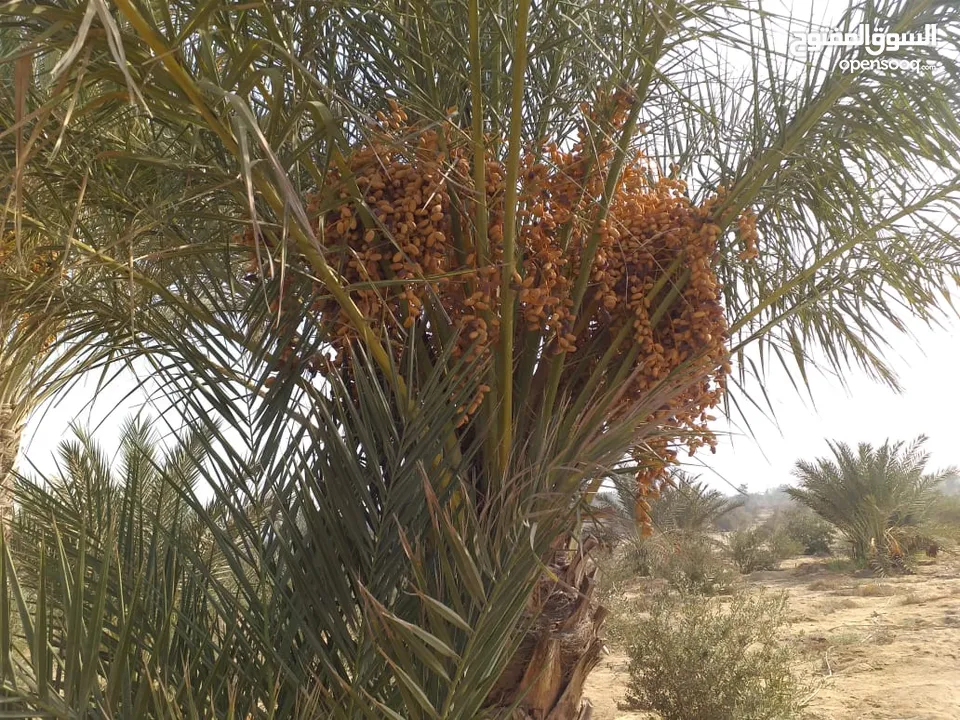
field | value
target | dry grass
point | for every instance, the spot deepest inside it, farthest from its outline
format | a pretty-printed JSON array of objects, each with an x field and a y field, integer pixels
[
  {"x": 832, "y": 583},
  {"x": 833, "y": 605},
  {"x": 870, "y": 589},
  {"x": 912, "y": 598},
  {"x": 808, "y": 568},
  {"x": 915, "y": 598}
]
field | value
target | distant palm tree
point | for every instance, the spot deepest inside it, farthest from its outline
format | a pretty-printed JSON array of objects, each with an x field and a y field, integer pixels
[
  {"x": 878, "y": 498},
  {"x": 680, "y": 520},
  {"x": 686, "y": 504}
]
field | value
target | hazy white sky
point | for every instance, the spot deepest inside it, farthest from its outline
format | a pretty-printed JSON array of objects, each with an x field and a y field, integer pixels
[{"x": 865, "y": 411}]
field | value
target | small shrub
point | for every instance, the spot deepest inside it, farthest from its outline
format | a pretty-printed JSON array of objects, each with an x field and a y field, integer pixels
[
  {"x": 616, "y": 570},
  {"x": 696, "y": 660},
  {"x": 695, "y": 565},
  {"x": 813, "y": 533},
  {"x": 846, "y": 638},
  {"x": 750, "y": 551},
  {"x": 626, "y": 613}
]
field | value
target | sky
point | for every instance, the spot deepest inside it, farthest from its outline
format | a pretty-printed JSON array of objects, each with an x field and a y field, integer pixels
[
  {"x": 760, "y": 456},
  {"x": 761, "y": 450}
]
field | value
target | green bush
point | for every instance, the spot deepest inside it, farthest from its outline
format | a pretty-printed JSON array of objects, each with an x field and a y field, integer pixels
[
  {"x": 782, "y": 536},
  {"x": 694, "y": 564},
  {"x": 813, "y": 533},
  {"x": 696, "y": 660},
  {"x": 626, "y": 612},
  {"x": 782, "y": 543},
  {"x": 689, "y": 562},
  {"x": 751, "y": 550},
  {"x": 620, "y": 568}
]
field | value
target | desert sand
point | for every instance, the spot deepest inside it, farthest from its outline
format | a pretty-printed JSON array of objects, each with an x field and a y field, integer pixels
[{"x": 870, "y": 648}]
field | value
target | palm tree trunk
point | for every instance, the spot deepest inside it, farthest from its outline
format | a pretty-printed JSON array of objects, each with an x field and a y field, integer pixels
[
  {"x": 546, "y": 676},
  {"x": 11, "y": 430}
]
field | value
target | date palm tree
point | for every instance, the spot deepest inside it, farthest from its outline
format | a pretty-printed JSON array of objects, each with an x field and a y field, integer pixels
[
  {"x": 686, "y": 504},
  {"x": 260, "y": 191},
  {"x": 877, "y": 497}
]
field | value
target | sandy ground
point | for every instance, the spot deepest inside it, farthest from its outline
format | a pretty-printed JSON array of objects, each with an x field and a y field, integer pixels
[{"x": 872, "y": 648}]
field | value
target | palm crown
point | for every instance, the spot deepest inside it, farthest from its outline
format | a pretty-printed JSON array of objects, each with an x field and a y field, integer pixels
[{"x": 875, "y": 496}]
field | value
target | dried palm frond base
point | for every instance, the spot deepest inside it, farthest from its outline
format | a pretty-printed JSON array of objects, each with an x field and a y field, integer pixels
[
  {"x": 892, "y": 556},
  {"x": 546, "y": 675},
  {"x": 11, "y": 429}
]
